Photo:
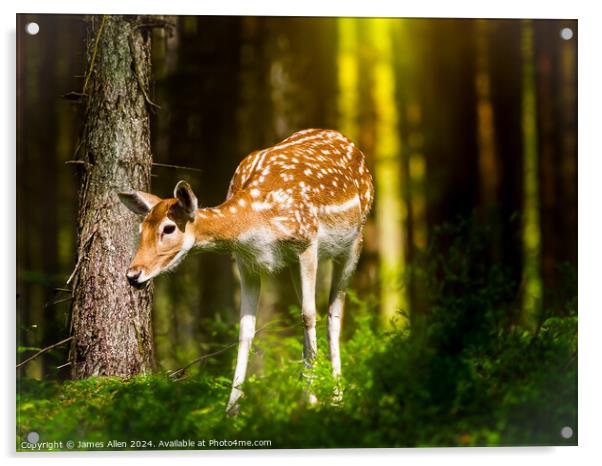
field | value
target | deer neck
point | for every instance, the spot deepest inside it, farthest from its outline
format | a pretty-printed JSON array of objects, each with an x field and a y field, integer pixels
[{"x": 219, "y": 228}]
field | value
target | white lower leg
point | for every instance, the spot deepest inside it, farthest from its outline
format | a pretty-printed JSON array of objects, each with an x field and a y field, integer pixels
[
  {"x": 310, "y": 350},
  {"x": 335, "y": 318},
  {"x": 341, "y": 273},
  {"x": 308, "y": 266},
  {"x": 247, "y": 331},
  {"x": 310, "y": 344},
  {"x": 249, "y": 296},
  {"x": 309, "y": 317}
]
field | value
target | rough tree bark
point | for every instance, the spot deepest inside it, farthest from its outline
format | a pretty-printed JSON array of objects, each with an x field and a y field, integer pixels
[{"x": 111, "y": 321}]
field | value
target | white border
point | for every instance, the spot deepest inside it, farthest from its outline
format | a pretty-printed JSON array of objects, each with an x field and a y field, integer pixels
[
  {"x": 590, "y": 231},
  {"x": 424, "y": 8}
]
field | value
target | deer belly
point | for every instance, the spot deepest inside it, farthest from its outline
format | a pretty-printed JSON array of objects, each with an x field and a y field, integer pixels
[
  {"x": 334, "y": 240},
  {"x": 261, "y": 251}
]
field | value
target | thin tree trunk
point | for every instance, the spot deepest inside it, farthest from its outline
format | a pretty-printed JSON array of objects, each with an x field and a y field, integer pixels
[
  {"x": 549, "y": 134},
  {"x": 506, "y": 94},
  {"x": 111, "y": 321},
  {"x": 348, "y": 103},
  {"x": 391, "y": 210},
  {"x": 30, "y": 54},
  {"x": 568, "y": 167},
  {"x": 488, "y": 163},
  {"x": 531, "y": 229},
  {"x": 351, "y": 103},
  {"x": 410, "y": 100}
]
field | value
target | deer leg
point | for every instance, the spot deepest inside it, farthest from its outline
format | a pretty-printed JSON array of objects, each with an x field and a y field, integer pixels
[
  {"x": 296, "y": 279},
  {"x": 308, "y": 266},
  {"x": 249, "y": 296},
  {"x": 342, "y": 269}
]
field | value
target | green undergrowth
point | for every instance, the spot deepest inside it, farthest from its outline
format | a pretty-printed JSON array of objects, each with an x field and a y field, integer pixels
[{"x": 464, "y": 373}]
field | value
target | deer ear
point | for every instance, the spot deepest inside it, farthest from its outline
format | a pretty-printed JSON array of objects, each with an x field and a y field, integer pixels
[
  {"x": 139, "y": 202},
  {"x": 186, "y": 198}
]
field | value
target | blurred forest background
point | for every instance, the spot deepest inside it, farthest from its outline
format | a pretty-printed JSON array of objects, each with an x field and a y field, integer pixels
[{"x": 469, "y": 128}]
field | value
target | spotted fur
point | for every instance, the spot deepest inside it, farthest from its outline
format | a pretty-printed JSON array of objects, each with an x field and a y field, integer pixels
[
  {"x": 312, "y": 185},
  {"x": 311, "y": 177}
]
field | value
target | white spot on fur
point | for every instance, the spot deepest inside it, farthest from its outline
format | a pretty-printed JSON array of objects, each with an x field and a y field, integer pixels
[
  {"x": 338, "y": 208},
  {"x": 260, "y": 206}
]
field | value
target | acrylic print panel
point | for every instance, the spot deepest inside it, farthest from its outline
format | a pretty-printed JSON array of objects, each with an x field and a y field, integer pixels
[{"x": 416, "y": 178}]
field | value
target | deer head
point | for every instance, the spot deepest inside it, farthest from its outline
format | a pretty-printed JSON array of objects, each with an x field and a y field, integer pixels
[{"x": 166, "y": 233}]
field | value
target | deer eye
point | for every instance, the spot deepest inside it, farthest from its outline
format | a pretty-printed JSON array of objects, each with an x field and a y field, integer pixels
[{"x": 169, "y": 229}]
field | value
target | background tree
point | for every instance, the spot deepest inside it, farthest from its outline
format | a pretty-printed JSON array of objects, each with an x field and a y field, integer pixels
[
  {"x": 390, "y": 208},
  {"x": 111, "y": 321},
  {"x": 531, "y": 230}
]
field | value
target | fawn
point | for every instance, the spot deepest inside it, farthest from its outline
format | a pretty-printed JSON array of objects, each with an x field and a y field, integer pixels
[{"x": 305, "y": 198}]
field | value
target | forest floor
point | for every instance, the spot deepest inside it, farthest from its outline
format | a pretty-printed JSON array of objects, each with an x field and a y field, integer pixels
[
  {"x": 398, "y": 391},
  {"x": 465, "y": 373}
]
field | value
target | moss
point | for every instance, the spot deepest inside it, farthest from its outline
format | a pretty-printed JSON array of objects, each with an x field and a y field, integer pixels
[
  {"x": 463, "y": 374},
  {"x": 400, "y": 389}
]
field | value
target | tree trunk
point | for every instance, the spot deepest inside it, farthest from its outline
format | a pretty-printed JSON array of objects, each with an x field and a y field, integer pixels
[
  {"x": 506, "y": 94},
  {"x": 531, "y": 229},
  {"x": 391, "y": 210},
  {"x": 111, "y": 321}
]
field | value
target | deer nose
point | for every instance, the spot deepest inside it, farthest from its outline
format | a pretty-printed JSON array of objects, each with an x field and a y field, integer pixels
[{"x": 133, "y": 275}]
